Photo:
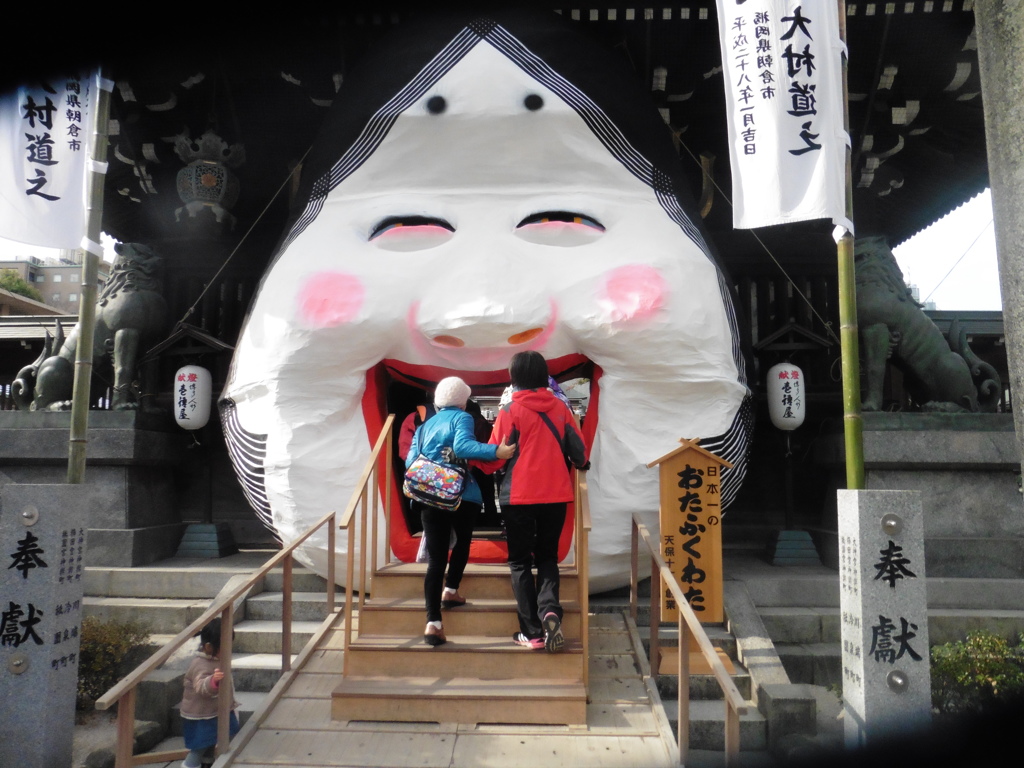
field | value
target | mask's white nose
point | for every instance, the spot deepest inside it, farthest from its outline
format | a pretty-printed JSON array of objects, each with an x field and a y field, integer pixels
[{"x": 485, "y": 321}]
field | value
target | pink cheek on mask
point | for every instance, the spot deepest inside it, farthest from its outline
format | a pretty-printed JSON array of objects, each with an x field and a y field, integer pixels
[
  {"x": 633, "y": 292},
  {"x": 329, "y": 299}
]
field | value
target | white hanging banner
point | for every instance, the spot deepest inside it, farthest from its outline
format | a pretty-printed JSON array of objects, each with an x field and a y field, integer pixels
[
  {"x": 43, "y": 152},
  {"x": 782, "y": 62}
]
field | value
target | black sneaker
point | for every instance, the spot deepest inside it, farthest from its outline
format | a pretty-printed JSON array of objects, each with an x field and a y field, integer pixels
[
  {"x": 554, "y": 640},
  {"x": 533, "y": 643}
]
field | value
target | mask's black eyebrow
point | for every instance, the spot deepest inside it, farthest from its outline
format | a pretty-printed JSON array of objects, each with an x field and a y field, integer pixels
[
  {"x": 570, "y": 217},
  {"x": 408, "y": 221}
]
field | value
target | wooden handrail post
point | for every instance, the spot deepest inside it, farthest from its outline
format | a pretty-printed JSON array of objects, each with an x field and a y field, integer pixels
[
  {"x": 332, "y": 547},
  {"x": 350, "y": 576},
  {"x": 363, "y": 554},
  {"x": 655, "y": 619},
  {"x": 732, "y": 736},
  {"x": 634, "y": 571},
  {"x": 387, "y": 498},
  {"x": 583, "y": 572},
  {"x": 125, "y": 730},
  {"x": 690, "y": 629},
  {"x": 286, "y": 617},
  {"x": 374, "y": 514},
  {"x": 683, "y": 695},
  {"x": 226, "y": 692}
]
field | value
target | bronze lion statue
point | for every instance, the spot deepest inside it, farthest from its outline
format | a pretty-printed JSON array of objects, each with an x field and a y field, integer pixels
[
  {"x": 943, "y": 375},
  {"x": 129, "y": 311}
]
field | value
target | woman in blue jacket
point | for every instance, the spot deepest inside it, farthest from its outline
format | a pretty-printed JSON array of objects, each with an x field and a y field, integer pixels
[{"x": 451, "y": 427}]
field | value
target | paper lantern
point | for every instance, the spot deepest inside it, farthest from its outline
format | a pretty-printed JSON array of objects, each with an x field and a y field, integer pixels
[
  {"x": 193, "y": 391},
  {"x": 786, "y": 396}
]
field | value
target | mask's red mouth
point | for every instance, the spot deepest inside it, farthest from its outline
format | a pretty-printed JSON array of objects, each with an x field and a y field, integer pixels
[{"x": 377, "y": 404}]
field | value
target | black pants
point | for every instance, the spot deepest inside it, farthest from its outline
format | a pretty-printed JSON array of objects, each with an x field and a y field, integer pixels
[
  {"x": 533, "y": 532},
  {"x": 437, "y": 527}
]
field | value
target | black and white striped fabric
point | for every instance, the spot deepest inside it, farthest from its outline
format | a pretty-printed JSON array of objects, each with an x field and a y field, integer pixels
[
  {"x": 248, "y": 452},
  {"x": 733, "y": 446}
]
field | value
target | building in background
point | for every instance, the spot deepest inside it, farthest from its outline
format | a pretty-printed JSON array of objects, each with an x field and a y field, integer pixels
[{"x": 58, "y": 280}]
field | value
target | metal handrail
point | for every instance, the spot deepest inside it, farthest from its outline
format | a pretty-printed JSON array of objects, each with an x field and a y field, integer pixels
[
  {"x": 662, "y": 578},
  {"x": 124, "y": 693}
]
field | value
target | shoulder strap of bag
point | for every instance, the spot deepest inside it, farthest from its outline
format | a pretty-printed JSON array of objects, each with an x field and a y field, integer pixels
[{"x": 551, "y": 426}]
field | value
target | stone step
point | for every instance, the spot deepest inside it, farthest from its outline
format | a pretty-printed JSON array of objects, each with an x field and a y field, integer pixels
[
  {"x": 822, "y": 625},
  {"x": 257, "y": 672},
  {"x": 949, "y": 625},
  {"x": 975, "y": 594},
  {"x": 719, "y": 636},
  {"x": 704, "y": 687},
  {"x": 707, "y": 725},
  {"x": 707, "y": 758},
  {"x": 822, "y": 590},
  {"x": 813, "y": 663},
  {"x": 158, "y": 615},
  {"x": 306, "y": 606},
  {"x": 253, "y": 672},
  {"x": 265, "y": 636},
  {"x": 460, "y": 700},
  {"x": 303, "y": 580},
  {"x": 787, "y": 624},
  {"x": 184, "y": 578},
  {"x": 819, "y": 586},
  {"x": 173, "y": 578}
]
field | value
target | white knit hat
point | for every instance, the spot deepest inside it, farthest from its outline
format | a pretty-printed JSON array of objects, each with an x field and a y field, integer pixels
[{"x": 451, "y": 391}]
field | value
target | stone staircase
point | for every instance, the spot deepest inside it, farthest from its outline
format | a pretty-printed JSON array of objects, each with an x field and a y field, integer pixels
[
  {"x": 478, "y": 676},
  {"x": 805, "y": 626},
  {"x": 707, "y": 708},
  {"x": 168, "y": 596}
]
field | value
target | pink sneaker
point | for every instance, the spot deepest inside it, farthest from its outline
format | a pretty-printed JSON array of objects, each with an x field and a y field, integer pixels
[
  {"x": 554, "y": 640},
  {"x": 533, "y": 643}
]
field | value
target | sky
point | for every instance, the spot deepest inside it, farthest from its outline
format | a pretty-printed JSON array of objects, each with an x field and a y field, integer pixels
[
  {"x": 952, "y": 263},
  {"x": 9, "y": 250}
]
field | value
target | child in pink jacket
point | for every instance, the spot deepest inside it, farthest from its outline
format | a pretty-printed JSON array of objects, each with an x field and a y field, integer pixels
[{"x": 199, "y": 702}]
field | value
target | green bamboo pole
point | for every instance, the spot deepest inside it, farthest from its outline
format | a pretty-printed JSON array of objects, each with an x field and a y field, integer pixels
[
  {"x": 87, "y": 297},
  {"x": 853, "y": 428}
]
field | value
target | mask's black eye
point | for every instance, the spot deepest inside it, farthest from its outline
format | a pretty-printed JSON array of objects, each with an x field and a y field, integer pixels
[
  {"x": 560, "y": 217},
  {"x": 395, "y": 222},
  {"x": 411, "y": 233},
  {"x": 565, "y": 229}
]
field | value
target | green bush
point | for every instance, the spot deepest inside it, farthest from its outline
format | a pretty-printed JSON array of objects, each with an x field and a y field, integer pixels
[
  {"x": 11, "y": 281},
  {"x": 109, "y": 651},
  {"x": 976, "y": 674}
]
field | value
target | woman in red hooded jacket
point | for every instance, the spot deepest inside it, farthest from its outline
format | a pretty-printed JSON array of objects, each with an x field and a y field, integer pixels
[{"x": 534, "y": 493}]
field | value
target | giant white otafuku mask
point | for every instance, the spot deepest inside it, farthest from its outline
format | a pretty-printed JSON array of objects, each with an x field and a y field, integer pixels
[{"x": 484, "y": 206}]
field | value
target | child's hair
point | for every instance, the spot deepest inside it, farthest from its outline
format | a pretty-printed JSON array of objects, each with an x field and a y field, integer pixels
[
  {"x": 211, "y": 634},
  {"x": 528, "y": 370}
]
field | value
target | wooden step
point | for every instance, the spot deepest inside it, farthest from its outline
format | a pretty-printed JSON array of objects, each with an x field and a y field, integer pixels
[
  {"x": 485, "y": 581},
  {"x": 462, "y": 656},
  {"x": 405, "y": 617},
  {"x": 460, "y": 700}
]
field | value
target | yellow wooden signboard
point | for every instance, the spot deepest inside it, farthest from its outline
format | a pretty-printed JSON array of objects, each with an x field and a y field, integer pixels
[{"x": 691, "y": 530}]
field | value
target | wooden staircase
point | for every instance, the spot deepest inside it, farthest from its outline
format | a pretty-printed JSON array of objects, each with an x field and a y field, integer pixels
[{"x": 478, "y": 676}]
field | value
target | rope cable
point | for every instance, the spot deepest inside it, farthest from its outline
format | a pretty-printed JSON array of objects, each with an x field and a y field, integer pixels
[
  {"x": 248, "y": 232},
  {"x": 826, "y": 324},
  {"x": 957, "y": 263}
]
